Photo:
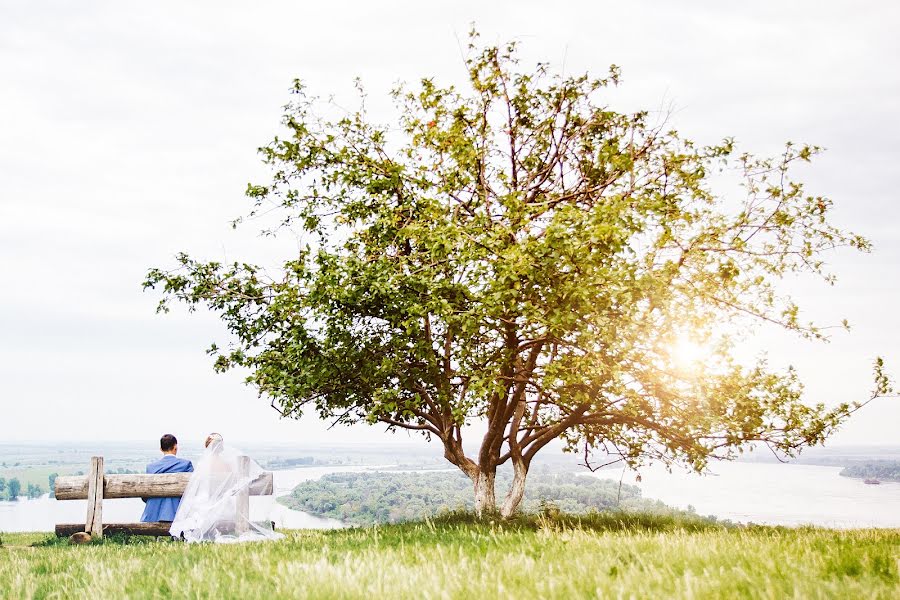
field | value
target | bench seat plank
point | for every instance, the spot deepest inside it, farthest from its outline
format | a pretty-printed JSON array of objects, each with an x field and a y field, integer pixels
[{"x": 156, "y": 528}]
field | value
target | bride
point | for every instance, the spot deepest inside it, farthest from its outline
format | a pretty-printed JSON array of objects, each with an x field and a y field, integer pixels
[{"x": 215, "y": 504}]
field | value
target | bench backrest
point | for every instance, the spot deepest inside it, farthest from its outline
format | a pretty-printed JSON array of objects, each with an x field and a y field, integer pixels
[{"x": 163, "y": 485}]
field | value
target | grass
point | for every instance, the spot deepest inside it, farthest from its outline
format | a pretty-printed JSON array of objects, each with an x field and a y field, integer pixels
[{"x": 606, "y": 555}]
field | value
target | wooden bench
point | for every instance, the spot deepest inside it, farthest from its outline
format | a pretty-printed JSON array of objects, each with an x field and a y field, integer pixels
[{"x": 96, "y": 486}]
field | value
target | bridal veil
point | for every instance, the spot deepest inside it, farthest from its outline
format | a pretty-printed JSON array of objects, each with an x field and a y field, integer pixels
[{"x": 215, "y": 504}]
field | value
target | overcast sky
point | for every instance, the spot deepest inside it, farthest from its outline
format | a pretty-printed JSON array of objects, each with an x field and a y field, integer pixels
[{"x": 128, "y": 132}]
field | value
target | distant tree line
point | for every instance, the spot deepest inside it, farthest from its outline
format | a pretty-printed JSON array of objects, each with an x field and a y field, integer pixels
[
  {"x": 368, "y": 498},
  {"x": 885, "y": 470},
  {"x": 287, "y": 463},
  {"x": 11, "y": 489}
]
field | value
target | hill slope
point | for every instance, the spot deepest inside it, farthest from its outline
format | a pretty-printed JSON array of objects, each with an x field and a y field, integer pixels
[{"x": 605, "y": 555}]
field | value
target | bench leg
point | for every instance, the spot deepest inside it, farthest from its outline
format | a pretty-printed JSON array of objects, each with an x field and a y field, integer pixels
[{"x": 94, "y": 522}]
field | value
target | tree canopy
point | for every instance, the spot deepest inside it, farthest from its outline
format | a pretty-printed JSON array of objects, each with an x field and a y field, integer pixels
[
  {"x": 517, "y": 254},
  {"x": 13, "y": 487}
]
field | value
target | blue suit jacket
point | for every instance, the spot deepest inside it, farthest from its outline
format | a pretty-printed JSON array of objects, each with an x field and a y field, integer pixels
[{"x": 164, "y": 509}]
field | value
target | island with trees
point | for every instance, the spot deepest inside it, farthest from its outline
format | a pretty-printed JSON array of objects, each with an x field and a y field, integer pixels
[
  {"x": 874, "y": 470},
  {"x": 390, "y": 497}
]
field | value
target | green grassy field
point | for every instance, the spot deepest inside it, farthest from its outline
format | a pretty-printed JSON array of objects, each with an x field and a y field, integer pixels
[
  {"x": 38, "y": 476},
  {"x": 606, "y": 556}
]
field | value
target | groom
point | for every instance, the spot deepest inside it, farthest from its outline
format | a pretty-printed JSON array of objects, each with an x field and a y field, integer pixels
[{"x": 164, "y": 509}]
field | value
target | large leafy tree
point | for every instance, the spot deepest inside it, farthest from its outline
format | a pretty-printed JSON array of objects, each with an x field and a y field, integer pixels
[{"x": 518, "y": 255}]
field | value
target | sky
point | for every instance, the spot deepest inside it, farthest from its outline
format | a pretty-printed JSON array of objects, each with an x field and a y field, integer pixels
[{"x": 128, "y": 132}]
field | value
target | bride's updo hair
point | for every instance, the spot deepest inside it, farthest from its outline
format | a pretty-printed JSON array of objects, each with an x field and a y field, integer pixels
[{"x": 213, "y": 437}]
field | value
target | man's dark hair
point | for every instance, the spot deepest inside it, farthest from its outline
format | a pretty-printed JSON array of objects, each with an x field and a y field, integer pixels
[{"x": 167, "y": 442}]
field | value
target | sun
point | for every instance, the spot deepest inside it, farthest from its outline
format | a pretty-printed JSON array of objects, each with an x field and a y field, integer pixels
[{"x": 688, "y": 352}]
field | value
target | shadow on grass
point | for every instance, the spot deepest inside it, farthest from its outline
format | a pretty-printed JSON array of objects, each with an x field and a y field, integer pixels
[
  {"x": 116, "y": 539},
  {"x": 595, "y": 521}
]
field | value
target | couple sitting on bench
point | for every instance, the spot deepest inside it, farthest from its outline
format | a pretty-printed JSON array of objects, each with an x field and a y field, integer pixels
[{"x": 215, "y": 503}]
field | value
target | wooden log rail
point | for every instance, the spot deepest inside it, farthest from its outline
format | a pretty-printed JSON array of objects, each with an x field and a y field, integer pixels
[
  {"x": 96, "y": 486},
  {"x": 164, "y": 485}
]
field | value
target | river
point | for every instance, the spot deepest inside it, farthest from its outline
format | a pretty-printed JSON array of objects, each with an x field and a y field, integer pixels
[
  {"x": 762, "y": 493},
  {"x": 773, "y": 494}
]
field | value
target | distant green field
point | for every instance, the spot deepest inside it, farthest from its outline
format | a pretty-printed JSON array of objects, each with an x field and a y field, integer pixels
[
  {"x": 37, "y": 476},
  {"x": 606, "y": 556}
]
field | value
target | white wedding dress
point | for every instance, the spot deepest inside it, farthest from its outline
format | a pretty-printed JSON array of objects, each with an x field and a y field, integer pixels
[{"x": 215, "y": 504}]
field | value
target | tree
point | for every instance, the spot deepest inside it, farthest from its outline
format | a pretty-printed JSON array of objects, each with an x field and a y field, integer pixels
[
  {"x": 52, "y": 481},
  {"x": 2, "y": 485},
  {"x": 520, "y": 256},
  {"x": 14, "y": 487}
]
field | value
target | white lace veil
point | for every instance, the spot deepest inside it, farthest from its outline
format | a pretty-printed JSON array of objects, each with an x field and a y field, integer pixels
[{"x": 215, "y": 504}]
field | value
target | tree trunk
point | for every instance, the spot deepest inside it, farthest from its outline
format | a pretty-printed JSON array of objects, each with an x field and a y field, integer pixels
[
  {"x": 485, "y": 496},
  {"x": 516, "y": 490}
]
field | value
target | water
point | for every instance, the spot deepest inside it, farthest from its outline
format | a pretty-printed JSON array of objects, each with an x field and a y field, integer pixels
[
  {"x": 773, "y": 494},
  {"x": 285, "y": 481}
]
